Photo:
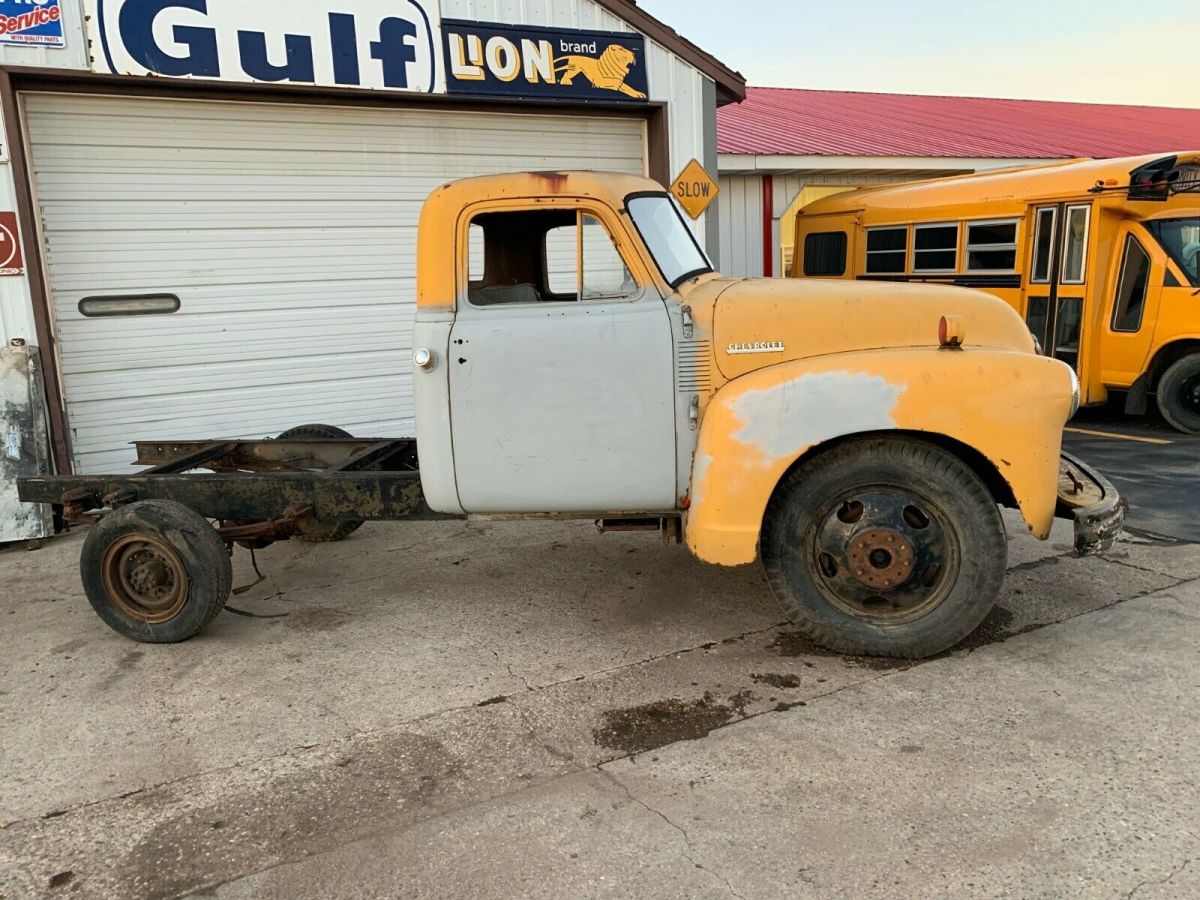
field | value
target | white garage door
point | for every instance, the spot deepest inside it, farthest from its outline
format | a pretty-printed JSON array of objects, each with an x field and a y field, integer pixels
[{"x": 287, "y": 232}]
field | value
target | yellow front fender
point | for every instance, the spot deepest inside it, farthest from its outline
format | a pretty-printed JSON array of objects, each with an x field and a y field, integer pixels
[{"x": 1009, "y": 406}]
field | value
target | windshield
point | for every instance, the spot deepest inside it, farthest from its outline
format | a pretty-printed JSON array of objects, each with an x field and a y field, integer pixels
[
  {"x": 1181, "y": 239},
  {"x": 669, "y": 240}
]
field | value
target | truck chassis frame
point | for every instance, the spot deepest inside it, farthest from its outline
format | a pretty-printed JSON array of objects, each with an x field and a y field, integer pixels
[{"x": 258, "y": 491}]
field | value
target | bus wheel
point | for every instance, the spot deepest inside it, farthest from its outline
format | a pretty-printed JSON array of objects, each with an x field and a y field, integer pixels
[
  {"x": 885, "y": 547},
  {"x": 156, "y": 571},
  {"x": 1179, "y": 395}
]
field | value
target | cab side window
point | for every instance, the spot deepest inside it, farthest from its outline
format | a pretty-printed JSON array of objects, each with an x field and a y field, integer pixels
[
  {"x": 544, "y": 256},
  {"x": 1132, "y": 287}
]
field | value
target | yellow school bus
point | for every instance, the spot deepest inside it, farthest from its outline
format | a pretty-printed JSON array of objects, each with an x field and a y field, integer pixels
[{"x": 1101, "y": 258}]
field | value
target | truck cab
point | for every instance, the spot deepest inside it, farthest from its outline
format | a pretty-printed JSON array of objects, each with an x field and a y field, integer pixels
[{"x": 577, "y": 355}]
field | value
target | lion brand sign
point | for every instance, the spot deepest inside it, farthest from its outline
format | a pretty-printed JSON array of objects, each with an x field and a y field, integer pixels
[
  {"x": 485, "y": 58},
  {"x": 380, "y": 44},
  {"x": 37, "y": 22}
]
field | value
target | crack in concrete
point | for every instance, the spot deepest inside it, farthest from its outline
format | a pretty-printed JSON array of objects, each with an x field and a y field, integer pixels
[
  {"x": 1159, "y": 882},
  {"x": 689, "y": 853},
  {"x": 529, "y": 688},
  {"x": 1137, "y": 568}
]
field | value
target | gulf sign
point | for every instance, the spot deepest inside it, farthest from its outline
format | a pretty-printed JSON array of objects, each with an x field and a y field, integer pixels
[
  {"x": 377, "y": 44},
  {"x": 34, "y": 22},
  {"x": 552, "y": 63}
]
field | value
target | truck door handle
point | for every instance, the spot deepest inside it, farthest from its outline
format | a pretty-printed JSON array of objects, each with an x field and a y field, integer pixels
[{"x": 425, "y": 359}]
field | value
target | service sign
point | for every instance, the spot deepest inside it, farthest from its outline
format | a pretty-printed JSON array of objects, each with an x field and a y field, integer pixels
[
  {"x": 550, "y": 63},
  {"x": 11, "y": 260},
  {"x": 32, "y": 22},
  {"x": 377, "y": 44}
]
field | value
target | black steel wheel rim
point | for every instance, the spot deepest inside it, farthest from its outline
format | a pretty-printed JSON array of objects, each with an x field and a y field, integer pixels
[
  {"x": 1189, "y": 394},
  {"x": 885, "y": 555}
]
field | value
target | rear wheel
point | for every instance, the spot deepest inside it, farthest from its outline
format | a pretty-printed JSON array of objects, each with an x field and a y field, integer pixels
[
  {"x": 885, "y": 547},
  {"x": 1179, "y": 394},
  {"x": 156, "y": 571},
  {"x": 315, "y": 531}
]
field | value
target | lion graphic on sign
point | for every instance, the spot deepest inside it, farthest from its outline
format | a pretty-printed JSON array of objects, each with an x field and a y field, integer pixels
[{"x": 608, "y": 73}]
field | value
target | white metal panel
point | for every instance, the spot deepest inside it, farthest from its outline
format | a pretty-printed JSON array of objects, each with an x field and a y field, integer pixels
[
  {"x": 24, "y": 443},
  {"x": 73, "y": 56},
  {"x": 741, "y": 221},
  {"x": 524, "y": 370},
  {"x": 16, "y": 306},
  {"x": 288, "y": 233}
]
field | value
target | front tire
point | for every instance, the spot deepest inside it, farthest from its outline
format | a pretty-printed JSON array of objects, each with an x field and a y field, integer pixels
[
  {"x": 156, "y": 571},
  {"x": 885, "y": 547},
  {"x": 1179, "y": 394}
]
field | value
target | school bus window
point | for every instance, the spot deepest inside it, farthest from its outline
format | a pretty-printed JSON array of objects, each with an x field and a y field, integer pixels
[
  {"x": 1066, "y": 333},
  {"x": 1043, "y": 245},
  {"x": 935, "y": 248},
  {"x": 887, "y": 251},
  {"x": 1075, "y": 249},
  {"x": 1131, "y": 289},
  {"x": 825, "y": 253},
  {"x": 992, "y": 246},
  {"x": 1181, "y": 239}
]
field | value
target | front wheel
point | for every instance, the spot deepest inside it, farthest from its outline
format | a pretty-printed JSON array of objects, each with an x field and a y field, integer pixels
[
  {"x": 885, "y": 547},
  {"x": 1179, "y": 395}
]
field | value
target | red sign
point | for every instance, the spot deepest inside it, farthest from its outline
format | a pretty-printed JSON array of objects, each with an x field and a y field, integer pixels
[{"x": 11, "y": 261}]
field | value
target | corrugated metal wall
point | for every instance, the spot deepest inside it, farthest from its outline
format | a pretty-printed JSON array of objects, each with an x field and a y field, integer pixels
[{"x": 741, "y": 218}]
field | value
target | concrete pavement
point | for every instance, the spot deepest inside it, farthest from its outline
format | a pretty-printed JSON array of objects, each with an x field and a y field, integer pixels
[{"x": 534, "y": 710}]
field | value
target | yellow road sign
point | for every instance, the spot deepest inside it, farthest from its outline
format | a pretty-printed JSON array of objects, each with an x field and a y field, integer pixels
[{"x": 695, "y": 189}]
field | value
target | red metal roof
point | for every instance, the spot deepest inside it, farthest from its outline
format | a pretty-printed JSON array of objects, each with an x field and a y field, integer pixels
[{"x": 792, "y": 122}]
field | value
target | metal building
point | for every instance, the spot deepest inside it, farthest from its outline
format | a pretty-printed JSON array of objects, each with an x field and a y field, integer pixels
[
  {"x": 218, "y": 202},
  {"x": 783, "y": 148}
]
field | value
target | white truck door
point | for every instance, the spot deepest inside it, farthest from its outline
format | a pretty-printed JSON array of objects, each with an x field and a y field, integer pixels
[{"x": 561, "y": 372}]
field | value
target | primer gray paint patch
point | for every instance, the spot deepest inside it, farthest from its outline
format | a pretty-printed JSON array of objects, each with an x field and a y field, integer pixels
[
  {"x": 783, "y": 420},
  {"x": 703, "y": 463}
]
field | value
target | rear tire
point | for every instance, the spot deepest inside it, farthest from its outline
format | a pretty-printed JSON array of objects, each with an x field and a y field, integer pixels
[
  {"x": 156, "y": 571},
  {"x": 316, "y": 531},
  {"x": 885, "y": 547},
  {"x": 1179, "y": 394}
]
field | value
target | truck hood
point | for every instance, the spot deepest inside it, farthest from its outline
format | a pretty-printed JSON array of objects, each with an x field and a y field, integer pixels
[{"x": 758, "y": 322}]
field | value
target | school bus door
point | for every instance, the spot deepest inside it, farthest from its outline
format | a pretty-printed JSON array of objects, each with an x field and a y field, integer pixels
[
  {"x": 1055, "y": 285},
  {"x": 1131, "y": 301}
]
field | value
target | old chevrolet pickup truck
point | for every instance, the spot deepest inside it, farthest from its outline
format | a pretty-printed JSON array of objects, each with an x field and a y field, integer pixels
[{"x": 576, "y": 355}]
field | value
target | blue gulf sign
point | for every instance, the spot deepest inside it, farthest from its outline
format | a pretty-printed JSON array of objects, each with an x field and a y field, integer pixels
[
  {"x": 379, "y": 44},
  {"x": 33, "y": 22},
  {"x": 550, "y": 63}
]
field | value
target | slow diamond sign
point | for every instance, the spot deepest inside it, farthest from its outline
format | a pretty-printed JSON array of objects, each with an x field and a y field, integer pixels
[{"x": 695, "y": 189}]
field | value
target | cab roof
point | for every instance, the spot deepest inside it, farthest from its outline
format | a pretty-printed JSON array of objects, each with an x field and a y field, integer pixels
[
  {"x": 1070, "y": 178},
  {"x": 607, "y": 187}
]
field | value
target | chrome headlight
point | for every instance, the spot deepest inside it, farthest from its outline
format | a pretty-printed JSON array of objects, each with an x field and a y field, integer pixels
[{"x": 1076, "y": 392}]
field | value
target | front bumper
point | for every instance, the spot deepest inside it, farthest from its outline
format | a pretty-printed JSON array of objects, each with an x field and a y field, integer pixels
[{"x": 1089, "y": 499}]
